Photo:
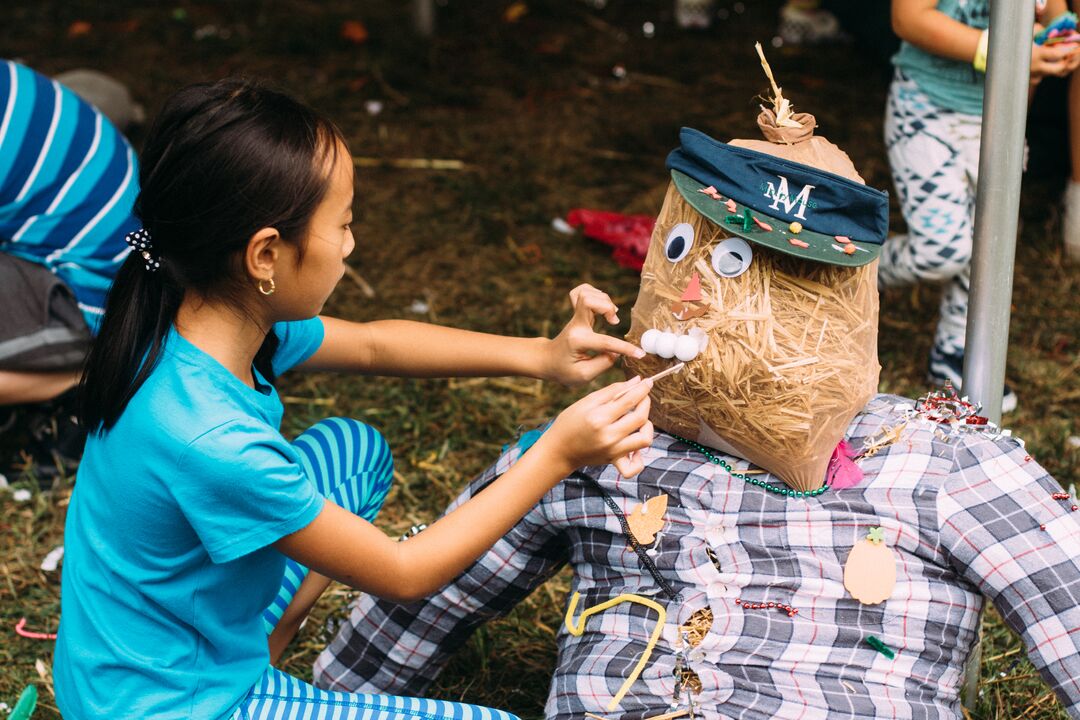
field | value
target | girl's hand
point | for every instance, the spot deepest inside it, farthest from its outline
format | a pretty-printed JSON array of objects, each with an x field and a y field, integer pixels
[
  {"x": 1056, "y": 60},
  {"x": 609, "y": 425},
  {"x": 578, "y": 353}
]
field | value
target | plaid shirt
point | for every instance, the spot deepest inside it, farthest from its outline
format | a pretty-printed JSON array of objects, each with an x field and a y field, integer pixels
[{"x": 965, "y": 516}]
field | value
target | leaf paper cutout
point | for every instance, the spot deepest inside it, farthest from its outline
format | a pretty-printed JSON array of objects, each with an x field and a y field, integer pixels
[{"x": 647, "y": 519}]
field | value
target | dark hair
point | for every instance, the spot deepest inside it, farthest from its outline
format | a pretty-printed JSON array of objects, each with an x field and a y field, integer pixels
[{"x": 221, "y": 161}]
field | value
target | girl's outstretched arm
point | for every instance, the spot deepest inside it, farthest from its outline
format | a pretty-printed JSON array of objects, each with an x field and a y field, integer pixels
[
  {"x": 598, "y": 429},
  {"x": 414, "y": 349}
]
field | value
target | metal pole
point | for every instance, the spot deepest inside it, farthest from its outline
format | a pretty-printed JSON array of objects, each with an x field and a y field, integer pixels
[
  {"x": 996, "y": 209},
  {"x": 997, "y": 202}
]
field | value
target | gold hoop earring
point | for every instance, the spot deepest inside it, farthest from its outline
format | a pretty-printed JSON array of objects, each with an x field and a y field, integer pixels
[{"x": 266, "y": 291}]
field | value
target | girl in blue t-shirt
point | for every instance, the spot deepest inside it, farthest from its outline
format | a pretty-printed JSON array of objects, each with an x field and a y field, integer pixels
[{"x": 194, "y": 522}]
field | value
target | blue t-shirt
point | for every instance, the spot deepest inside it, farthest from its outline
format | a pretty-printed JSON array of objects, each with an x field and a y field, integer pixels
[
  {"x": 68, "y": 181},
  {"x": 168, "y": 564}
]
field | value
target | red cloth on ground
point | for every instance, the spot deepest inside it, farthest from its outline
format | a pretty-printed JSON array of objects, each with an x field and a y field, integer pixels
[{"x": 629, "y": 235}]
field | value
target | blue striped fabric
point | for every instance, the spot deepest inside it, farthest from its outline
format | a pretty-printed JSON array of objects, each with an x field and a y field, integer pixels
[
  {"x": 349, "y": 463},
  {"x": 279, "y": 696},
  {"x": 68, "y": 180}
]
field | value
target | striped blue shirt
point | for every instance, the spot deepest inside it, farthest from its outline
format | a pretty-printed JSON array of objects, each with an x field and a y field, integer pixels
[{"x": 68, "y": 180}]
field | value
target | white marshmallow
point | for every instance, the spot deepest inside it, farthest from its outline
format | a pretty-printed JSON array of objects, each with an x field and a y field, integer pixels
[
  {"x": 665, "y": 345},
  {"x": 686, "y": 348},
  {"x": 648, "y": 340}
]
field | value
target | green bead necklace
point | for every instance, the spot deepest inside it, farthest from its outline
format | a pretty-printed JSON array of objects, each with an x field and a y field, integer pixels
[{"x": 785, "y": 491}]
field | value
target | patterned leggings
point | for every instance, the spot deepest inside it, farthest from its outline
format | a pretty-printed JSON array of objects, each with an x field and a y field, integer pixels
[
  {"x": 350, "y": 464},
  {"x": 934, "y": 156}
]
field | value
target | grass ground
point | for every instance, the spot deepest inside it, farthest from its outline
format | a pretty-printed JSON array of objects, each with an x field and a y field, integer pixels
[{"x": 536, "y": 112}]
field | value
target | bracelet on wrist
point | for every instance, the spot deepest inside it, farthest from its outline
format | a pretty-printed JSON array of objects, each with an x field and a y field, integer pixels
[{"x": 979, "y": 63}]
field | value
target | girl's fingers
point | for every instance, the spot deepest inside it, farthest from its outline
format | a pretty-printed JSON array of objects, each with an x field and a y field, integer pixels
[
  {"x": 589, "y": 301},
  {"x": 629, "y": 465},
  {"x": 620, "y": 406},
  {"x": 595, "y": 365},
  {"x": 599, "y": 342},
  {"x": 607, "y": 394},
  {"x": 636, "y": 441},
  {"x": 632, "y": 421}
]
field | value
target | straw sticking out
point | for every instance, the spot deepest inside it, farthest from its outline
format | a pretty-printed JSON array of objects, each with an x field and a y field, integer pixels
[
  {"x": 662, "y": 374},
  {"x": 781, "y": 105}
]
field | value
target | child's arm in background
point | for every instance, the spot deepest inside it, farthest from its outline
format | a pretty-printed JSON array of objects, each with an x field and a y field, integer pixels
[
  {"x": 920, "y": 23},
  {"x": 414, "y": 349},
  {"x": 604, "y": 426}
]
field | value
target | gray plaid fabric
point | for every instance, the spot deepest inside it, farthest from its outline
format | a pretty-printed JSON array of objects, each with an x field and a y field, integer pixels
[{"x": 963, "y": 515}]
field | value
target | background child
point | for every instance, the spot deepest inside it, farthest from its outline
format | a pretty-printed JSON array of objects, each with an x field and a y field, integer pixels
[
  {"x": 68, "y": 179},
  {"x": 933, "y": 125},
  {"x": 194, "y": 522}
]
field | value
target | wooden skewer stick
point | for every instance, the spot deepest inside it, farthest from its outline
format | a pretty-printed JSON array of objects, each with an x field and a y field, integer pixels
[{"x": 663, "y": 373}]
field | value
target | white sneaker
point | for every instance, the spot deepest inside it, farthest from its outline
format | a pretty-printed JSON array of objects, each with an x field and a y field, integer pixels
[
  {"x": 693, "y": 14},
  {"x": 808, "y": 26},
  {"x": 1070, "y": 223}
]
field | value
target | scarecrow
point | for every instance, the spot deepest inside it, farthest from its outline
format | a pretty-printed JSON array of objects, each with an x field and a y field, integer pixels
[{"x": 796, "y": 545}]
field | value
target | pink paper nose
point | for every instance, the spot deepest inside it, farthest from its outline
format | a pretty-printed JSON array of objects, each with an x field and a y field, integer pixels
[{"x": 693, "y": 290}]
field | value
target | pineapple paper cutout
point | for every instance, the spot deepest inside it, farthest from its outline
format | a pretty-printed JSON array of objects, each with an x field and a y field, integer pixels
[
  {"x": 647, "y": 519},
  {"x": 870, "y": 572}
]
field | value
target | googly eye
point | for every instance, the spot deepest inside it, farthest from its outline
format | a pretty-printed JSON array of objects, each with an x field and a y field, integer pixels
[
  {"x": 679, "y": 241},
  {"x": 732, "y": 257}
]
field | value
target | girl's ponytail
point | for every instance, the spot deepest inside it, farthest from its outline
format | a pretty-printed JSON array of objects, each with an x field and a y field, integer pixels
[
  {"x": 139, "y": 311},
  {"x": 221, "y": 162}
]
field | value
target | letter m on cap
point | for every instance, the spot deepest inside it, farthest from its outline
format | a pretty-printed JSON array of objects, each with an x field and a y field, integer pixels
[{"x": 781, "y": 194}]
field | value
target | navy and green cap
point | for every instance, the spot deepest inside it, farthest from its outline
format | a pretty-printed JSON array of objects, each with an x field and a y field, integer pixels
[{"x": 771, "y": 193}]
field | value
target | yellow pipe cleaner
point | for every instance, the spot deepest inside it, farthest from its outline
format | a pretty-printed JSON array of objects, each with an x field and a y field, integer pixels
[{"x": 626, "y": 597}]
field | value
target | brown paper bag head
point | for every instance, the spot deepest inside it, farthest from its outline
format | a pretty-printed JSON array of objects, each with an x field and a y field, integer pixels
[{"x": 784, "y": 348}]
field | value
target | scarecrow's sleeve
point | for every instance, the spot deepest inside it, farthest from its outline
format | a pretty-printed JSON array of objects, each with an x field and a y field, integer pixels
[
  {"x": 1005, "y": 532},
  {"x": 387, "y": 647}
]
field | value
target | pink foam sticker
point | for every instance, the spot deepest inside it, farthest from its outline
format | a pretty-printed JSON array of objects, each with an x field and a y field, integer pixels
[
  {"x": 763, "y": 225},
  {"x": 843, "y": 239},
  {"x": 731, "y": 206},
  {"x": 798, "y": 243}
]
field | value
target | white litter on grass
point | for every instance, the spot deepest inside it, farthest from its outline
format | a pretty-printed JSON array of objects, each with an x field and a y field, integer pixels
[
  {"x": 21, "y": 495},
  {"x": 561, "y": 226},
  {"x": 373, "y": 107},
  {"x": 1073, "y": 441},
  {"x": 3, "y": 482},
  {"x": 419, "y": 307},
  {"x": 52, "y": 560}
]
